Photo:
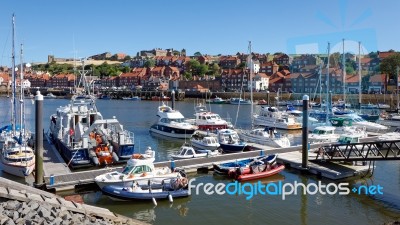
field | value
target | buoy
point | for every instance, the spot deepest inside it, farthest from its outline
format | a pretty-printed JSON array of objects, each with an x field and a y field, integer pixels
[
  {"x": 154, "y": 201},
  {"x": 171, "y": 200}
]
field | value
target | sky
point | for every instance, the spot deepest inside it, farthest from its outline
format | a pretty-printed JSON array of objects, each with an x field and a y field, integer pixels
[{"x": 81, "y": 28}]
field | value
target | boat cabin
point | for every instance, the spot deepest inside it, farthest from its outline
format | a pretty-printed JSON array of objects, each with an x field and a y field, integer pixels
[{"x": 324, "y": 130}]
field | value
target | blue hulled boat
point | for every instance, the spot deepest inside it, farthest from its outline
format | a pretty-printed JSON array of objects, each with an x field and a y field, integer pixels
[
  {"x": 168, "y": 189},
  {"x": 229, "y": 141}
]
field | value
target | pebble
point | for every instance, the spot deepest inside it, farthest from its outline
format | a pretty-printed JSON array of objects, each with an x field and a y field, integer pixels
[{"x": 14, "y": 212}]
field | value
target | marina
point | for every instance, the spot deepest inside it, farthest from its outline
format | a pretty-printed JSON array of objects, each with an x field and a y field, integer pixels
[{"x": 59, "y": 177}]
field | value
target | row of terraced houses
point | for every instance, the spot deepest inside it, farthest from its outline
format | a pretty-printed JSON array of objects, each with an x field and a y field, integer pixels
[{"x": 298, "y": 74}]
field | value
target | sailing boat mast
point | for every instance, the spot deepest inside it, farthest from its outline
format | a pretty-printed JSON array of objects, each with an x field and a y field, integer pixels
[
  {"x": 327, "y": 85},
  {"x": 14, "y": 87},
  {"x": 344, "y": 76},
  {"x": 251, "y": 82},
  {"x": 359, "y": 75},
  {"x": 21, "y": 97},
  {"x": 320, "y": 83}
]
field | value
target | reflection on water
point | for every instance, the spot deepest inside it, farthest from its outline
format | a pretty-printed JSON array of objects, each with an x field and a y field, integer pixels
[{"x": 233, "y": 209}]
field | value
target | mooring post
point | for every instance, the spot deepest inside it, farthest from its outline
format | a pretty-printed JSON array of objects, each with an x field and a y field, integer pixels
[
  {"x": 173, "y": 99},
  {"x": 39, "y": 139},
  {"x": 304, "y": 160}
]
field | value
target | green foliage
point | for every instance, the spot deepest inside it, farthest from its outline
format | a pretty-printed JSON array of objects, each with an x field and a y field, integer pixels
[
  {"x": 197, "y": 54},
  {"x": 389, "y": 65},
  {"x": 202, "y": 69},
  {"x": 373, "y": 55},
  {"x": 54, "y": 68},
  {"x": 150, "y": 63},
  {"x": 241, "y": 65},
  {"x": 127, "y": 58},
  {"x": 334, "y": 59},
  {"x": 187, "y": 75},
  {"x": 215, "y": 70},
  {"x": 176, "y": 53},
  {"x": 349, "y": 70}
]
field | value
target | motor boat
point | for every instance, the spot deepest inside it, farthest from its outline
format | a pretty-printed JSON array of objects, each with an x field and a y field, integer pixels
[
  {"x": 171, "y": 123},
  {"x": 188, "y": 152},
  {"x": 139, "y": 168},
  {"x": 202, "y": 140},
  {"x": 272, "y": 117}
]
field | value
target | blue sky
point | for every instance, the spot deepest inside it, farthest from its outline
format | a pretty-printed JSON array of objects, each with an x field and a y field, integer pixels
[{"x": 88, "y": 27}]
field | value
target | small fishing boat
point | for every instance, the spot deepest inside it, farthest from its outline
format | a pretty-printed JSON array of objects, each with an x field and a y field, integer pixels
[
  {"x": 160, "y": 98},
  {"x": 230, "y": 142},
  {"x": 167, "y": 189},
  {"x": 257, "y": 169},
  {"x": 139, "y": 168},
  {"x": 188, "y": 152},
  {"x": 224, "y": 168},
  {"x": 203, "y": 140},
  {"x": 134, "y": 98},
  {"x": 216, "y": 100},
  {"x": 239, "y": 101}
]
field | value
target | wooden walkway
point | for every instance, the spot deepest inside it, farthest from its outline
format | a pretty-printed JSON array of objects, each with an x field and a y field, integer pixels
[
  {"x": 66, "y": 180},
  {"x": 333, "y": 171}
]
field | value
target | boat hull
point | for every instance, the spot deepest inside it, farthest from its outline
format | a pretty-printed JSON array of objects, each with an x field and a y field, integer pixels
[
  {"x": 68, "y": 155},
  {"x": 172, "y": 132},
  {"x": 227, "y": 148},
  {"x": 201, "y": 146},
  {"x": 18, "y": 170},
  {"x": 119, "y": 193},
  {"x": 255, "y": 176},
  {"x": 129, "y": 181}
]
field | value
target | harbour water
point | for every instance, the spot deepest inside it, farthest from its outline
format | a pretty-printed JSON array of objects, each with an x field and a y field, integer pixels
[{"x": 138, "y": 116}]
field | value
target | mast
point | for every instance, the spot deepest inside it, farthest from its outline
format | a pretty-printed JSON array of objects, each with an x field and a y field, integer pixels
[
  {"x": 397, "y": 88},
  {"x": 327, "y": 84},
  {"x": 251, "y": 83},
  {"x": 359, "y": 74},
  {"x": 320, "y": 83},
  {"x": 344, "y": 76},
  {"x": 21, "y": 97},
  {"x": 14, "y": 87}
]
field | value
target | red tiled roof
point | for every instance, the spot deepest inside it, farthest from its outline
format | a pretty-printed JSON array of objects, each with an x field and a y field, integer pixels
[
  {"x": 378, "y": 78},
  {"x": 383, "y": 55},
  {"x": 365, "y": 60},
  {"x": 352, "y": 79}
]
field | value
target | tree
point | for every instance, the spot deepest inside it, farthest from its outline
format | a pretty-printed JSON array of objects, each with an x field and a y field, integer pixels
[
  {"x": 202, "y": 69},
  {"x": 176, "y": 53},
  {"x": 150, "y": 63},
  {"x": 349, "y": 70},
  {"x": 187, "y": 75},
  {"x": 389, "y": 67},
  {"x": 197, "y": 54},
  {"x": 373, "y": 55},
  {"x": 241, "y": 65},
  {"x": 214, "y": 70},
  {"x": 334, "y": 59},
  {"x": 192, "y": 66},
  {"x": 127, "y": 58}
]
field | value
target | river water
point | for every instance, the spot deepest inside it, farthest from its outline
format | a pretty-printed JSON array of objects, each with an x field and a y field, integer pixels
[{"x": 138, "y": 116}]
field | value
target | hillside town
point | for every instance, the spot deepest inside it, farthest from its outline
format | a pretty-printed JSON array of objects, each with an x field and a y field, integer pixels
[{"x": 160, "y": 69}]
